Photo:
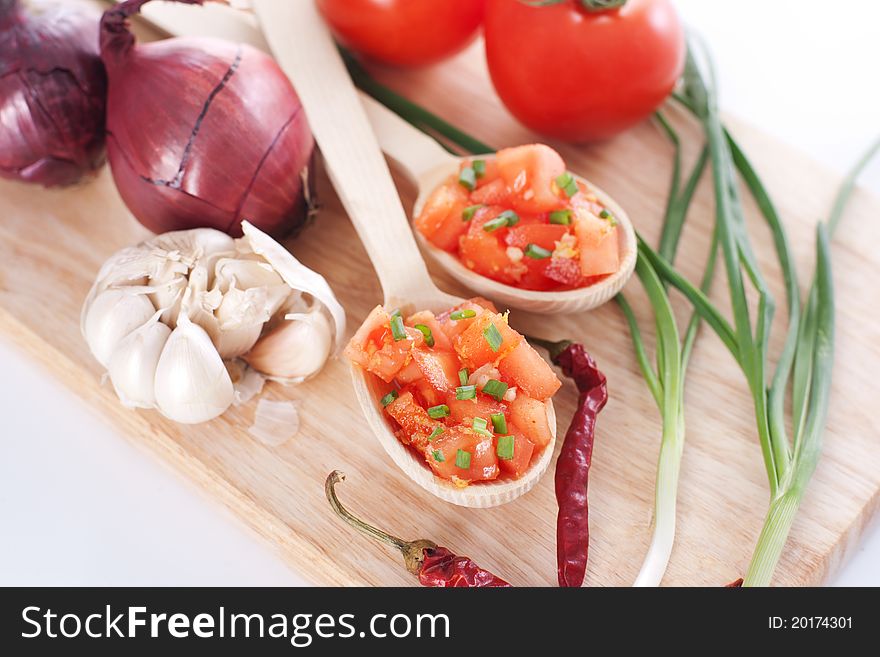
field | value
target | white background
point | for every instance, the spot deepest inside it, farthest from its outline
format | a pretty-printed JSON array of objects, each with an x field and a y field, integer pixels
[{"x": 80, "y": 505}]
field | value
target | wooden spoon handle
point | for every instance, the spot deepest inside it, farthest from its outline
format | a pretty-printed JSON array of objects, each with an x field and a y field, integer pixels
[{"x": 306, "y": 52}]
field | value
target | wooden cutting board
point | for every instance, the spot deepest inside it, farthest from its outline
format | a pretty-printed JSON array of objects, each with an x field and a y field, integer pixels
[{"x": 53, "y": 242}]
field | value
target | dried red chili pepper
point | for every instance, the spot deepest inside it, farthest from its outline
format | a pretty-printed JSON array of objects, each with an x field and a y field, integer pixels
[
  {"x": 434, "y": 565},
  {"x": 573, "y": 464},
  {"x": 735, "y": 584}
]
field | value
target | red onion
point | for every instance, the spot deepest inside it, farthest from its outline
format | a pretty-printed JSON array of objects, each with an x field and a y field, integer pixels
[
  {"x": 203, "y": 132},
  {"x": 52, "y": 95}
]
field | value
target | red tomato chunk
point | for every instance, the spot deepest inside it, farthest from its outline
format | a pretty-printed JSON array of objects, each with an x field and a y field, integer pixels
[
  {"x": 524, "y": 222},
  {"x": 462, "y": 389}
]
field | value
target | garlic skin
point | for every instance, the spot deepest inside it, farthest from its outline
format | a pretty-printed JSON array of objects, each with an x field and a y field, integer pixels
[{"x": 169, "y": 317}]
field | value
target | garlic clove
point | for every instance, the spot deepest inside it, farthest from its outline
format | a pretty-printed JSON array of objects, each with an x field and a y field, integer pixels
[
  {"x": 296, "y": 275},
  {"x": 132, "y": 366},
  {"x": 296, "y": 349},
  {"x": 112, "y": 315},
  {"x": 191, "y": 382}
]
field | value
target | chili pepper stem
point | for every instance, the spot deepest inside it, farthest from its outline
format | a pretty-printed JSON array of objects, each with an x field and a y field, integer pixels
[{"x": 412, "y": 551}]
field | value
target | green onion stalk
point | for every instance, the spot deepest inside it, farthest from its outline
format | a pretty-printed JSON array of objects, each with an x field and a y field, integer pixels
[{"x": 804, "y": 365}]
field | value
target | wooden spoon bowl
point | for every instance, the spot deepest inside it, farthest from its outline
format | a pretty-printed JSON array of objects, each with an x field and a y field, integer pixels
[{"x": 428, "y": 166}]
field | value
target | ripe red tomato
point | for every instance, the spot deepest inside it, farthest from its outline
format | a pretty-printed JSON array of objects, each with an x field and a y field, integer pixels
[
  {"x": 404, "y": 32},
  {"x": 581, "y": 75}
]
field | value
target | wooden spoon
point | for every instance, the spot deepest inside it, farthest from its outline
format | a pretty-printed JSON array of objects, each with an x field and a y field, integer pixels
[
  {"x": 305, "y": 50},
  {"x": 428, "y": 165}
]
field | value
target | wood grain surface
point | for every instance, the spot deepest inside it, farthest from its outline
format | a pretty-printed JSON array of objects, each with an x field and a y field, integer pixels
[{"x": 53, "y": 242}]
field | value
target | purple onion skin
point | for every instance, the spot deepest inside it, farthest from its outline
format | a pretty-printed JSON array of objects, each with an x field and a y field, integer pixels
[
  {"x": 204, "y": 132},
  {"x": 52, "y": 95}
]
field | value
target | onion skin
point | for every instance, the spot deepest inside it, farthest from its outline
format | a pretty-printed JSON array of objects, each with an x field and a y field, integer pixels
[
  {"x": 52, "y": 95},
  {"x": 203, "y": 133}
]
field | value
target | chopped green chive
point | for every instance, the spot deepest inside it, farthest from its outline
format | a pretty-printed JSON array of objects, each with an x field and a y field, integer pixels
[
  {"x": 536, "y": 252},
  {"x": 605, "y": 214},
  {"x": 505, "y": 448},
  {"x": 426, "y": 331},
  {"x": 397, "y": 328},
  {"x": 463, "y": 376},
  {"x": 437, "y": 412},
  {"x": 387, "y": 399},
  {"x": 560, "y": 217},
  {"x": 495, "y": 224},
  {"x": 467, "y": 313},
  {"x": 467, "y": 178},
  {"x": 438, "y": 456},
  {"x": 479, "y": 167},
  {"x": 493, "y": 337},
  {"x": 567, "y": 183},
  {"x": 468, "y": 213},
  {"x": 481, "y": 426},
  {"x": 503, "y": 220},
  {"x": 463, "y": 459},
  {"x": 436, "y": 432},
  {"x": 499, "y": 422},
  {"x": 511, "y": 216},
  {"x": 495, "y": 388},
  {"x": 466, "y": 392}
]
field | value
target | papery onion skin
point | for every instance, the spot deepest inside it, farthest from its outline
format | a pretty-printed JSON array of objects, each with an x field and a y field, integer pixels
[
  {"x": 52, "y": 95},
  {"x": 204, "y": 132}
]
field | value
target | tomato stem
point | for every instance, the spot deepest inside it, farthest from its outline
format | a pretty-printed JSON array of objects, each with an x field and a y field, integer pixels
[{"x": 593, "y": 6}]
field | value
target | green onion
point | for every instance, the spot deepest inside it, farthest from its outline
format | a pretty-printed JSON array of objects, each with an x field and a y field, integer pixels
[
  {"x": 439, "y": 411},
  {"x": 481, "y": 426},
  {"x": 467, "y": 313},
  {"x": 394, "y": 313},
  {"x": 438, "y": 456},
  {"x": 479, "y": 167},
  {"x": 467, "y": 179},
  {"x": 387, "y": 399},
  {"x": 436, "y": 432},
  {"x": 604, "y": 214},
  {"x": 397, "y": 329},
  {"x": 495, "y": 388},
  {"x": 499, "y": 422},
  {"x": 463, "y": 376},
  {"x": 466, "y": 392},
  {"x": 463, "y": 459},
  {"x": 567, "y": 183},
  {"x": 493, "y": 337},
  {"x": 426, "y": 331},
  {"x": 504, "y": 450},
  {"x": 536, "y": 252},
  {"x": 560, "y": 217},
  {"x": 495, "y": 224},
  {"x": 468, "y": 213},
  {"x": 511, "y": 216}
]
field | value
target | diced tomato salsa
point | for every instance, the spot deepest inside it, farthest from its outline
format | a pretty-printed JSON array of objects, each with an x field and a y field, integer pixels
[
  {"x": 523, "y": 220},
  {"x": 462, "y": 389}
]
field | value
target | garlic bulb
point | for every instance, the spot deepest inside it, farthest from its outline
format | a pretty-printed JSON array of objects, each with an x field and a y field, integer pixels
[{"x": 168, "y": 317}]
